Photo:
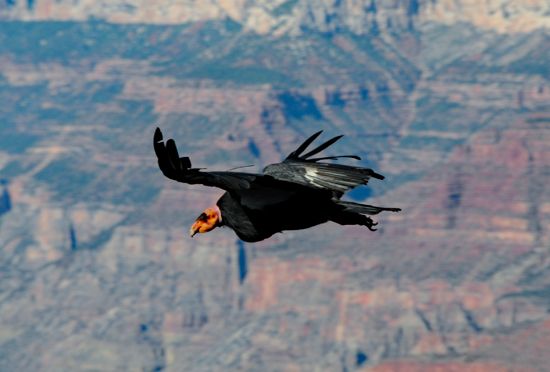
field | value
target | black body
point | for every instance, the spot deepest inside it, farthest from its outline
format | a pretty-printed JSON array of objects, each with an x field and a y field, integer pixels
[
  {"x": 261, "y": 211},
  {"x": 296, "y": 194}
]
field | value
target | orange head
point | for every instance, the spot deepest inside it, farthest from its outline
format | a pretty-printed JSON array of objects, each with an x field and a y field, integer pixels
[{"x": 208, "y": 220}]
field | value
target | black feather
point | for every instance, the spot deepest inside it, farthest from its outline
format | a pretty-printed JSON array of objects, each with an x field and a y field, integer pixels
[
  {"x": 364, "y": 208},
  {"x": 296, "y": 153},
  {"x": 173, "y": 155},
  {"x": 336, "y": 157},
  {"x": 185, "y": 162},
  {"x": 322, "y": 147}
]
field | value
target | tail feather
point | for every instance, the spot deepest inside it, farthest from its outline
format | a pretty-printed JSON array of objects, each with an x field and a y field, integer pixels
[{"x": 364, "y": 208}]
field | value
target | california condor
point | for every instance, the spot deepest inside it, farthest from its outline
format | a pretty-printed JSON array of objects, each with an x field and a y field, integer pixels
[{"x": 297, "y": 193}]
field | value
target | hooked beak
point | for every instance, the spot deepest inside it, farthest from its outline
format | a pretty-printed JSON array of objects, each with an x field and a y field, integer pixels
[
  {"x": 207, "y": 221},
  {"x": 193, "y": 230}
]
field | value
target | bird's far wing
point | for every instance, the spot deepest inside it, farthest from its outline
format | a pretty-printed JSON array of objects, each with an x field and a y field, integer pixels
[
  {"x": 179, "y": 168},
  {"x": 307, "y": 171}
]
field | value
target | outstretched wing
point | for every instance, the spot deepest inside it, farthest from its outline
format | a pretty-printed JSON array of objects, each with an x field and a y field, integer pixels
[
  {"x": 303, "y": 169},
  {"x": 179, "y": 168}
]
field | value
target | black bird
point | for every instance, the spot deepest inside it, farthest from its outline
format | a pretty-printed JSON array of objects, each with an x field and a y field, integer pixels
[{"x": 297, "y": 193}]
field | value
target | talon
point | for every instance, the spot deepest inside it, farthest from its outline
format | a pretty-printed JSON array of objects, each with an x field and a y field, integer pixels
[{"x": 374, "y": 223}]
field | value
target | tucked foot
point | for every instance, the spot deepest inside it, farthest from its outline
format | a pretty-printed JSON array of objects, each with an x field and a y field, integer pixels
[{"x": 370, "y": 223}]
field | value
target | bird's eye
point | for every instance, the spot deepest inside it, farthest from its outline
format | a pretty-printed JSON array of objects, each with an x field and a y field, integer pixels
[{"x": 202, "y": 217}]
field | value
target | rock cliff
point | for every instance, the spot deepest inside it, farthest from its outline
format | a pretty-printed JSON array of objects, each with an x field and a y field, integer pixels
[
  {"x": 98, "y": 272},
  {"x": 293, "y": 16}
]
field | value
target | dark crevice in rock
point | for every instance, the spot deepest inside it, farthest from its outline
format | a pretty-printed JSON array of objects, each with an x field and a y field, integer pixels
[
  {"x": 471, "y": 320},
  {"x": 534, "y": 193},
  {"x": 151, "y": 335},
  {"x": 5, "y": 199},
  {"x": 361, "y": 358},
  {"x": 73, "y": 243},
  {"x": 298, "y": 106},
  {"x": 455, "y": 189},
  {"x": 425, "y": 321},
  {"x": 242, "y": 261},
  {"x": 253, "y": 148}
]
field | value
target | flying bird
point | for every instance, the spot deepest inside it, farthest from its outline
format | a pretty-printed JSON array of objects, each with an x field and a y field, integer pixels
[{"x": 298, "y": 193}]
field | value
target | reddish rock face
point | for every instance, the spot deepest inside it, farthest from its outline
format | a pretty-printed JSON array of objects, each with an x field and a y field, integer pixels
[
  {"x": 413, "y": 366},
  {"x": 97, "y": 269}
]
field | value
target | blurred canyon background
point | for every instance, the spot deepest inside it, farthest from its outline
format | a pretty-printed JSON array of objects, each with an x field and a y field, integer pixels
[{"x": 449, "y": 99}]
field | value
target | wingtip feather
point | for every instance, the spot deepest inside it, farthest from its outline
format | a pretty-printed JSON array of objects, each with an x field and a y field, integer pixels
[
  {"x": 158, "y": 135},
  {"x": 322, "y": 147},
  {"x": 296, "y": 153},
  {"x": 377, "y": 176}
]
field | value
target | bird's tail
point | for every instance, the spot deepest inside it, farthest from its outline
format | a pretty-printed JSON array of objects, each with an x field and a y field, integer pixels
[{"x": 363, "y": 208}]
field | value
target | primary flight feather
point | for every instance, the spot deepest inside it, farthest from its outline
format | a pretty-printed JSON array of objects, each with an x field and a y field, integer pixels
[{"x": 298, "y": 193}]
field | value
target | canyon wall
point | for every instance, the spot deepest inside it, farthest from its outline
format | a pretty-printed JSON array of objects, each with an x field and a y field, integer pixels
[
  {"x": 292, "y": 16},
  {"x": 98, "y": 272}
]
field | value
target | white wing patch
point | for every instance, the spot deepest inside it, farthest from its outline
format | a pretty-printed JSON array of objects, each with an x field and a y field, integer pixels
[
  {"x": 327, "y": 178},
  {"x": 312, "y": 176},
  {"x": 335, "y": 177}
]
